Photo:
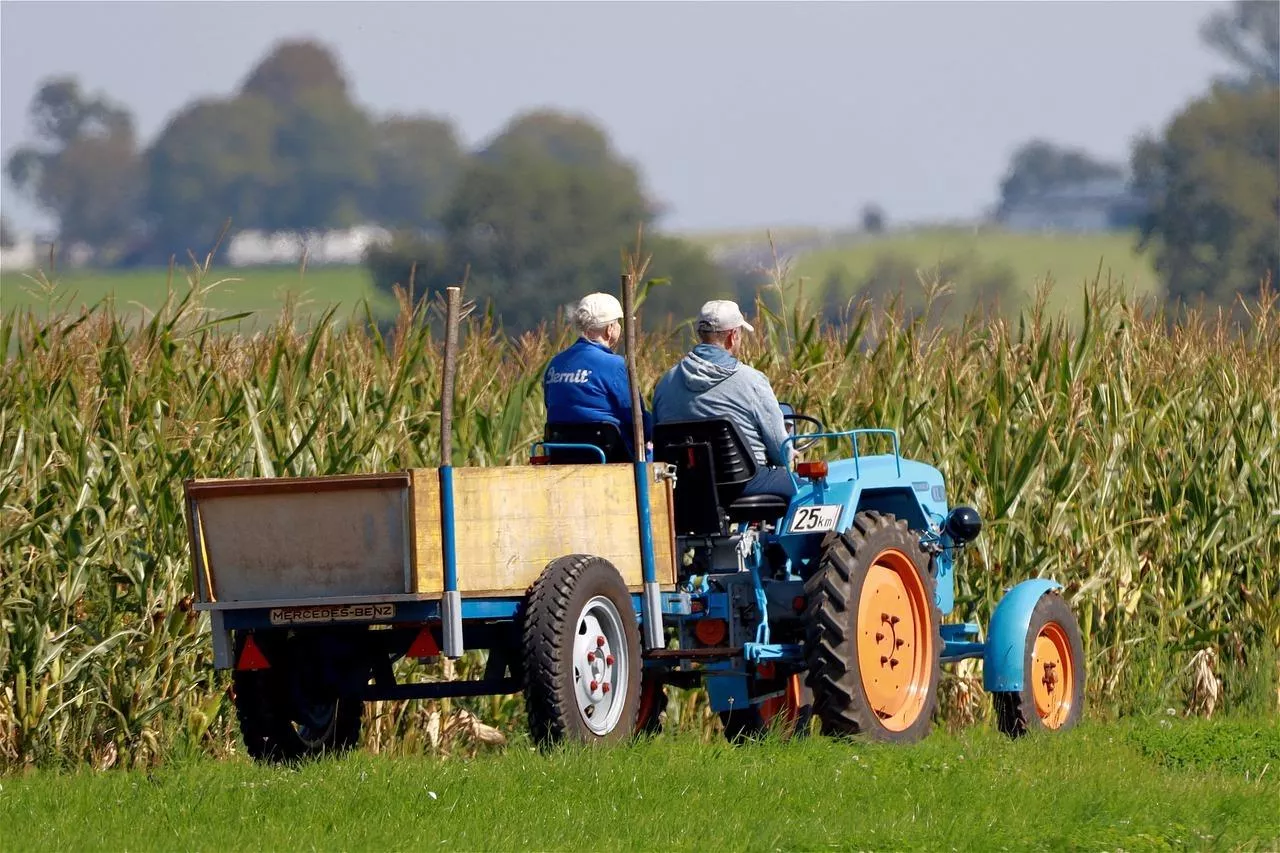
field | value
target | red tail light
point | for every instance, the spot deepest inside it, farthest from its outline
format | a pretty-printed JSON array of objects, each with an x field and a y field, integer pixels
[{"x": 812, "y": 470}]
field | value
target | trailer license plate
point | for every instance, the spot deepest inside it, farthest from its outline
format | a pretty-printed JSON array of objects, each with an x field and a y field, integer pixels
[
  {"x": 331, "y": 613},
  {"x": 815, "y": 519}
]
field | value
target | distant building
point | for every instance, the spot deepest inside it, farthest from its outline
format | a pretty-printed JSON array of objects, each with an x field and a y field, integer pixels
[
  {"x": 1099, "y": 205},
  {"x": 257, "y": 248}
]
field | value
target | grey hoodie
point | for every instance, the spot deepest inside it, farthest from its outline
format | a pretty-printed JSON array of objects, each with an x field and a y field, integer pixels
[{"x": 711, "y": 383}]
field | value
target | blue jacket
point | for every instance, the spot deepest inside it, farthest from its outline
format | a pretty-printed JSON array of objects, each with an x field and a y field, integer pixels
[
  {"x": 711, "y": 383},
  {"x": 588, "y": 383}
]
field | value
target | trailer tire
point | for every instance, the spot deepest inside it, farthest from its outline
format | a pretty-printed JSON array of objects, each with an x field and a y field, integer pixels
[
  {"x": 581, "y": 654},
  {"x": 870, "y": 677},
  {"x": 1049, "y": 700},
  {"x": 278, "y": 725}
]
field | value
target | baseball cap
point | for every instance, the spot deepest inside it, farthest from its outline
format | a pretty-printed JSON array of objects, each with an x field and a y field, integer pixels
[
  {"x": 597, "y": 309},
  {"x": 721, "y": 315}
]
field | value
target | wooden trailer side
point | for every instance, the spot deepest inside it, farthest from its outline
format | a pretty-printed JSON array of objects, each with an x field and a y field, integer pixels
[{"x": 511, "y": 521}]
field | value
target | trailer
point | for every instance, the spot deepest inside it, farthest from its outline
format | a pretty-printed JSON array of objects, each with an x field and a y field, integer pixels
[{"x": 593, "y": 580}]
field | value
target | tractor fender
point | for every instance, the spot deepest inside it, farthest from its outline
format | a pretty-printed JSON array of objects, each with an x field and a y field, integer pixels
[{"x": 1003, "y": 655}]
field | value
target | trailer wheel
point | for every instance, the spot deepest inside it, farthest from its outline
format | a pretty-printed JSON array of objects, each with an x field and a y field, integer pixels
[
  {"x": 581, "y": 653},
  {"x": 791, "y": 713},
  {"x": 1052, "y": 695},
  {"x": 873, "y": 634},
  {"x": 284, "y": 718}
]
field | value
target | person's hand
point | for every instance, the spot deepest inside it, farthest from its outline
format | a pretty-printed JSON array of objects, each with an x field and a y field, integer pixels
[{"x": 793, "y": 455}]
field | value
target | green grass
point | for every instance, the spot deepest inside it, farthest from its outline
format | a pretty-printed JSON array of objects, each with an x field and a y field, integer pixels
[
  {"x": 1071, "y": 259},
  {"x": 1099, "y": 787},
  {"x": 260, "y": 290}
]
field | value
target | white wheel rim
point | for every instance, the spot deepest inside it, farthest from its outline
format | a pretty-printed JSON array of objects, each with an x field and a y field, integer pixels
[{"x": 600, "y": 665}]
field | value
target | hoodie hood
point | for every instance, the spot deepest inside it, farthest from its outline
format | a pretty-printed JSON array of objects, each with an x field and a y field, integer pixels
[{"x": 706, "y": 367}]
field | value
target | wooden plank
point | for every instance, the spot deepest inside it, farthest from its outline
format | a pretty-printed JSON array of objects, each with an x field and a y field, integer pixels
[
  {"x": 265, "y": 544},
  {"x": 511, "y": 521}
]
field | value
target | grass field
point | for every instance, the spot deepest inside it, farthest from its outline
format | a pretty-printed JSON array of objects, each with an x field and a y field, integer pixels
[
  {"x": 1153, "y": 784},
  {"x": 1071, "y": 260},
  {"x": 260, "y": 290}
]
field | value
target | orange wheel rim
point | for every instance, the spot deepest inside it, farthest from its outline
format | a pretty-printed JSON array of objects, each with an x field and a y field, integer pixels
[
  {"x": 895, "y": 640},
  {"x": 1052, "y": 676}
]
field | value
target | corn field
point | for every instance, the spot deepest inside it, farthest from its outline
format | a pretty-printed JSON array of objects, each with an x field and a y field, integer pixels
[{"x": 1134, "y": 458}]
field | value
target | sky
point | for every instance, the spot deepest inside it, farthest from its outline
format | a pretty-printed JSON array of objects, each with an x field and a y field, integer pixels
[{"x": 739, "y": 114}]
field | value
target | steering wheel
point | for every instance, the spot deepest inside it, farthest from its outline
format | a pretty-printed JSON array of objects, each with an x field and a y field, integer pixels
[{"x": 791, "y": 419}]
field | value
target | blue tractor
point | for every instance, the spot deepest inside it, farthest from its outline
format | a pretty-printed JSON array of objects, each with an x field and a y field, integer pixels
[{"x": 831, "y": 605}]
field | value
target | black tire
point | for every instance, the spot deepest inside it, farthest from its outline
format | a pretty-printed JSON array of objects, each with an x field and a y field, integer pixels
[
  {"x": 555, "y": 614},
  {"x": 840, "y": 699},
  {"x": 1017, "y": 712},
  {"x": 282, "y": 719}
]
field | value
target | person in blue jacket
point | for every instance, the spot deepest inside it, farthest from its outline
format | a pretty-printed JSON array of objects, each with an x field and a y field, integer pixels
[{"x": 587, "y": 383}]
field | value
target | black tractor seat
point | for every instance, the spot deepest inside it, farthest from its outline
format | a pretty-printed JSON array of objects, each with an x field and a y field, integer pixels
[
  {"x": 713, "y": 466},
  {"x": 603, "y": 434}
]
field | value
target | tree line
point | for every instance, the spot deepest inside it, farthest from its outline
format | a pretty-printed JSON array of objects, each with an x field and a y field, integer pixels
[{"x": 538, "y": 215}]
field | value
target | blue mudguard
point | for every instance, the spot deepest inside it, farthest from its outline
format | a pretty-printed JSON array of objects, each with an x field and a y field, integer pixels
[{"x": 1003, "y": 657}]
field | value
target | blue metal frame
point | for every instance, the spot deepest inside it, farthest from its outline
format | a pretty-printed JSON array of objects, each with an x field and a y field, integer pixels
[
  {"x": 852, "y": 434},
  {"x": 447, "y": 534},
  {"x": 1004, "y": 657},
  {"x": 557, "y": 445}
]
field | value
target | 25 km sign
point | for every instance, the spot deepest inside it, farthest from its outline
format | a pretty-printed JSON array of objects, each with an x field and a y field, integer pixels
[{"x": 815, "y": 519}]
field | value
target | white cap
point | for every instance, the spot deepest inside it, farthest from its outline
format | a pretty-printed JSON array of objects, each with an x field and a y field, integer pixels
[
  {"x": 721, "y": 315},
  {"x": 596, "y": 310}
]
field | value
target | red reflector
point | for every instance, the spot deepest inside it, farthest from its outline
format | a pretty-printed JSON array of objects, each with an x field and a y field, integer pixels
[
  {"x": 251, "y": 657},
  {"x": 812, "y": 470},
  {"x": 798, "y": 604},
  {"x": 539, "y": 460},
  {"x": 766, "y": 670},
  {"x": 424, "y": 645}
]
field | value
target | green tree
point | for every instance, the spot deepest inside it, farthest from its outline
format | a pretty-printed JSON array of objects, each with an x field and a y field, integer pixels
[
  {"x": 213, "y": 161},
  {"x": 418, "y": 162},
  {"x": 540, "y": 218},
  {"x": 294, "y": 70},
  {"x": 84, "y": 168},
  {"x": 1039, "y": 166},
  {"x": 324, "y": 161},
  {"x": 1212, "y": 183},
  {"x": 1248, "y": 33},
  {"x": 566, "y": 139}
]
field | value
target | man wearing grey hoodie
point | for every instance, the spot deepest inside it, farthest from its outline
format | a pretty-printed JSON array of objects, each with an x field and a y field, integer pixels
[{"x": 710, "y": 382}]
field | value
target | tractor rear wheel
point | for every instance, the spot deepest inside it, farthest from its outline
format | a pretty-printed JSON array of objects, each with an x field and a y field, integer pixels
[
  {"x": 1052, "y": 695},
  {"x": 581, "y": 654},
  {"x": 285, "y": 714},
  {"x": 790, "y": 712},
  {"x": 873, "y": 634}
]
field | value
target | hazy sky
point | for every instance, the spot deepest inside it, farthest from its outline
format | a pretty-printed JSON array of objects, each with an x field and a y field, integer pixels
[{"x": 739, "y": 114}]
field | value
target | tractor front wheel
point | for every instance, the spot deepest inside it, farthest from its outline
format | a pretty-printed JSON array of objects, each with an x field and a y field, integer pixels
[
  {"x": 873, "y": 634},
  {"x": 1052, "y": 694},
  {"x": 581, "y": 654}
]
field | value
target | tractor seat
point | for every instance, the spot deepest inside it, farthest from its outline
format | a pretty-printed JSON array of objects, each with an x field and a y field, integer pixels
[
  {"x": 758, "y": 508},
  {"x": 713, "y": 466},
  {"x": 603, "y": 434}
]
